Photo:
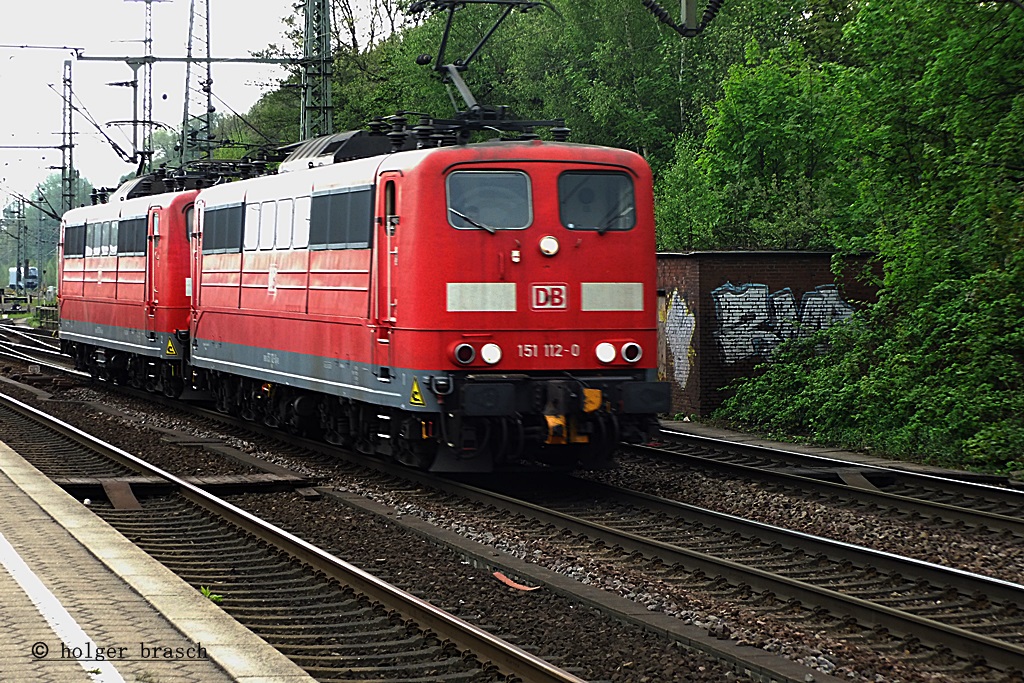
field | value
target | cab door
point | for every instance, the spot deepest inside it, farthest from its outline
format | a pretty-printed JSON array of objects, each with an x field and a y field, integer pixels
[{"x": 383, "y": 303}]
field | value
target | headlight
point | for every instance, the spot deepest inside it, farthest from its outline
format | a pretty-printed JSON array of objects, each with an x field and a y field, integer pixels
[
  {"x": 605, "y": 352},
  {"x": 491, "y": 353},
  {"x": 548, "y": 245}
]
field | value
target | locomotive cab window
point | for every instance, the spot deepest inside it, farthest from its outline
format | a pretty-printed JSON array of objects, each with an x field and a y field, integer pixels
[
  {"x": 589, "y": 200},
  {"x": 489, "y": 200}
]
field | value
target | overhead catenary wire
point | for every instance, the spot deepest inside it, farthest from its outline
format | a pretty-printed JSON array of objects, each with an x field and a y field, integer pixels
[{"x": 84, "y": 112}]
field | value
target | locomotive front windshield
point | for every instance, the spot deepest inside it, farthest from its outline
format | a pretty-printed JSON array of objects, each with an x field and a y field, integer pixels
[
  {"x": 589, "y": 200},
  {"x": 489, "y": 200}
]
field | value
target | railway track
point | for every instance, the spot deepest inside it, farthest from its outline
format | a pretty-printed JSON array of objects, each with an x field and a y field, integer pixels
[
  {"x": 693, "y": 654},
  {"x": 29, "y": 336},
  {"x": 857, "y": 585},
  {"x": 16, "y": 344},
  {"x": 872, "y": 586},
  {"x": 907, "y": 630},
  {"x": 944, "y": 608},
  {"x": 334, "y": 619},
  {"x": 955, "y": 498}
]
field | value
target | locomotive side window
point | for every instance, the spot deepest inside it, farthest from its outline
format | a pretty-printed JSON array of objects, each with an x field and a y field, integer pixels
[
  {"x": 107, "y": 239},
  {"x": 74, "y": 241},
  {"x": 222, "y": 229},
  {"x": 93, "y": 234},
  {"x": 341, "y": 219},
  {"x": 285, "y": 207},
  {"x": 138, "y": 240},
  {"x": 489, "y": 200},
  {"x": 300, "y": 230},
  {"x": 360, "y": 219},
  {"x": 131, "y": 237},
  {"x": 268, "y": 219},
  {"x": 252, "y": 226},
  {"x": 104, "y": 241},
  {"x": 126, "y": 236},
  {"x": 589, "y": 200},
  {"x": 389, "y": 198}
]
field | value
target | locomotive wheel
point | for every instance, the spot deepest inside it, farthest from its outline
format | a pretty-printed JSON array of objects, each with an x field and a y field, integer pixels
[
  {"x": 598, "y": 453},
  {"x": 419, "y": 455},
  {"x": 136, "y": 373},
  {"x": 173, "y": 386},
  {"x": 118, "y": 368},
  {"x": 170, "y": 381},
  {"x": 509, "y": 440},
  {"x": 220, "y": 397}
]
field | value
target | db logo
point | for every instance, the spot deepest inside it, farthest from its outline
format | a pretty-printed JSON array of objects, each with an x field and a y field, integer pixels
[{"x": 549, "y": 296}]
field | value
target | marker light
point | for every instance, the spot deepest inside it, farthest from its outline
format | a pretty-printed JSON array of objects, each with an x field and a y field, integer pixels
[
  {"x": 631, "y": 352},
  {"x": 464, "y": 353}
]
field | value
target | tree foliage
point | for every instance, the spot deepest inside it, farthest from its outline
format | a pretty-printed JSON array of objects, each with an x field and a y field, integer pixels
[
  {"x": 30, "y": 228},
  {"x": 937, "y": 368},
  {"x": 770, "y": 171}
]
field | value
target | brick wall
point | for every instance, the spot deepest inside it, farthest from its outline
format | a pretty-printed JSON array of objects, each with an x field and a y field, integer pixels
[{"x": 722, "y": 313}]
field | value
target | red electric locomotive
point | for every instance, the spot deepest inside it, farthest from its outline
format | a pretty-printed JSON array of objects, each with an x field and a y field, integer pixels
[
  {"x": 457, "y": 308},
  {"x": 124, "y": 297}
]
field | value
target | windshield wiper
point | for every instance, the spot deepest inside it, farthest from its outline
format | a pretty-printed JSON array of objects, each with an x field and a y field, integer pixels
[
  {"x": 603, "y": 228},
  {"x": 471, "y": 221}
]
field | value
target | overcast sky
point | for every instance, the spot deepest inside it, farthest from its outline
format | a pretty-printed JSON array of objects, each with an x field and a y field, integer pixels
[{"x": 30, "y": 78}]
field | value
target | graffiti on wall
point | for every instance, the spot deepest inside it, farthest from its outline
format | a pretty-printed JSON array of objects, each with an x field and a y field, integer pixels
[
  {"x": 752, "y": 322},
  {"x": 679, "y": 326}
]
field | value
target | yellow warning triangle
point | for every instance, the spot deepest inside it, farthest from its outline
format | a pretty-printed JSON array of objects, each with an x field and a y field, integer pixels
[
  {"x": 416, "y": 396},
  {"x": 170, "y": 349}
]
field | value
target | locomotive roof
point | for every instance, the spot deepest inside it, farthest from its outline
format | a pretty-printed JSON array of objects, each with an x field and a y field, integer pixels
[
  {"x": 129, "y": 208},
  {"x": 363, "y": 172}
]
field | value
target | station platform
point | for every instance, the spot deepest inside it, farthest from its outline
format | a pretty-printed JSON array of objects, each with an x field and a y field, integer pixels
[{"x": 79, "y": 602}]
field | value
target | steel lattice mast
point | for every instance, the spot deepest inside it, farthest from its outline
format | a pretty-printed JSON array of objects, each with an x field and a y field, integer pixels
[
  {"x": 147, "y": 86},
  {"x": 317, "y": 111},
  {"x": 197, "y": 120},
  {"x": 68, "y": 179}
]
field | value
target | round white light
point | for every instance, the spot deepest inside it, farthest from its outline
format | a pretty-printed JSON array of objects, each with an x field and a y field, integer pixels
[
  {"x": 631, "y": 352},
  {"x": 548, "y": 245},
  {"x": 491, "y": 353},
  {"x": 605, "y": 352}
]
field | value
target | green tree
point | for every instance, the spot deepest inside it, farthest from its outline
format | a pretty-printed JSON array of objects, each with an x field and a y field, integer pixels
[
  {"x": 936, "y": 369},
  {"x": 770, "y": 172},
  {"x": 35, "y": 221}
]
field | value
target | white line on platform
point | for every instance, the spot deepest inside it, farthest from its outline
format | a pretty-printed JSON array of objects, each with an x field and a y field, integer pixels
[{"x": 73, "y": 638}]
